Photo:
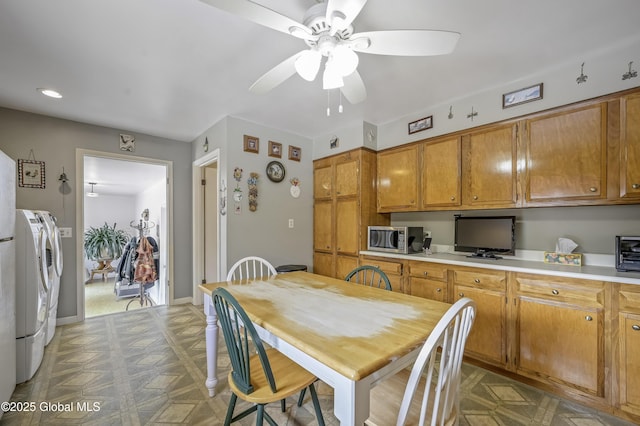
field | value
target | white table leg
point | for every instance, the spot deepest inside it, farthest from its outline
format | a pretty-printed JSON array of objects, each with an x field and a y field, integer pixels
[
  {"x": 211, "y": 340},
  {"x": 351, "y": 402}
]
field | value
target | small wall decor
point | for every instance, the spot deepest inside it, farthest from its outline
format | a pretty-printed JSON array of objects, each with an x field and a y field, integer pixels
[
  {"x": 517, "y": 97},
  {"x": 205, "y": 145},
  {"x": 295, "y": 153},
  {"x": 333, "y": 142},
  {"x": 252, "y": 182},
  {"x": 582, "y": 78},
  {"x": 31, "y": 174},
  {"x": 127, "y": 143},
  {"x": 275, "y": 171},
  {"x": 295, "y": 187},
  {"x": 421, "y": 124},
  {"x": 631, "y": 73},
  {"x": 275, "y": 149},
  {"x": 237, "y": 191},
  {"x": 472, "y": 114},
  {"x": 251, "y": 144},
  {"x": 450, "y": 116},
  {"x": 223, "y": 198}
]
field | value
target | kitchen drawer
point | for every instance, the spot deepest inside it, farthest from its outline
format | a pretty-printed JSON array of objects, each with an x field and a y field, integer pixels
[
  {"x": 433, "y": 271},
  {"x": 385, "y": 266},
  {"x": 480, "y": 278},
  {"x": 567, "y": 290},
  {"x": 629, "y": 298}
]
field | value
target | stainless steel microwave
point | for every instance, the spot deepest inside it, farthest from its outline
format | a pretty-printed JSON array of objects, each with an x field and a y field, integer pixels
[{"x": 394, "y": 239}]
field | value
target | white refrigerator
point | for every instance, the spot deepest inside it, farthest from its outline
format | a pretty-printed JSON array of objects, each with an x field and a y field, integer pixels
[{"x": 7, "y": 277}]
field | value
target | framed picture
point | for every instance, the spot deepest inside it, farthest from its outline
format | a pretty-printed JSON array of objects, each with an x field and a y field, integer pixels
[
  {"x": 295, "y": 153},
  {"x": 275, "y": 149},
  {"x": 31, "y": 174},
  {"x": 528, "y": 94},
  {"x": 420, "y": 125},
  {"x": 251, "y": 144},
  {"x": 127, "y": 143}
]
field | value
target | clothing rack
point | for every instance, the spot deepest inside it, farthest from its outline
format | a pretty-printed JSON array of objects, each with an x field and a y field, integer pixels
[{"x": 126, "y": 287}]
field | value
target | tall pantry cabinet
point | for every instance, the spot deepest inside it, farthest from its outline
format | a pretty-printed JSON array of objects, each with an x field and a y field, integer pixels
[{"x": 344, "y": 205}]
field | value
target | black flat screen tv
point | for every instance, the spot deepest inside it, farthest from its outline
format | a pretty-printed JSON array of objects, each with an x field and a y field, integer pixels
[{"x": 485, "y": 236}]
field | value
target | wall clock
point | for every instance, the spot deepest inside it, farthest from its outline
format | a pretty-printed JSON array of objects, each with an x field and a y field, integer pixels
[{"x": 275, "y": 171}]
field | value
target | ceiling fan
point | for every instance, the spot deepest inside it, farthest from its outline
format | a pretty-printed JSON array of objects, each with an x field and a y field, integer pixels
[{"x": 328, "y": 33}]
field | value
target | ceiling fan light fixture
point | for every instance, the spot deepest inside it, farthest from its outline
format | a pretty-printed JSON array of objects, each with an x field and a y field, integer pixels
[
  {"x": 308, "y": 64},
  {"x": 331, "y": 78},
  {"x": 345, "y": 59},
  {"x": 92, "y": 193}
]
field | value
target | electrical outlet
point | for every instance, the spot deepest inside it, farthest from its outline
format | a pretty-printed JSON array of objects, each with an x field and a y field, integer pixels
[
  {"x": 290, "y": 223},
  {"x": 427, "y": 234},
  {"x": 66, "y": 232}
]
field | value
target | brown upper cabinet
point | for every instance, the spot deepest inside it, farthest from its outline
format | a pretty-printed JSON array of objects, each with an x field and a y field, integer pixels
[
  {"x": 398, "y": 179},
  {"x": 630, "y": 147},
  {"x": 566, "y": 156},
  {"x": 582, "y": 154},
  {"x": 489, "y": 168},
  {"x": 440, "y": 184}
]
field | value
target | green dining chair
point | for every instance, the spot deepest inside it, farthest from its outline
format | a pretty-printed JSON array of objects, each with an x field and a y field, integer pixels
[
  {"x": 258, "y": 375},
  {"x": 369, "y": 275}
]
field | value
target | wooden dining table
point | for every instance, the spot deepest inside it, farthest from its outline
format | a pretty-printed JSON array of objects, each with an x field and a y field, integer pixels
[{"x": 349, "y": 336}]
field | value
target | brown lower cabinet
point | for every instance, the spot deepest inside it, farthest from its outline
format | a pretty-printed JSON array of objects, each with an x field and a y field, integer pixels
[{"x": 579, "y": 338}]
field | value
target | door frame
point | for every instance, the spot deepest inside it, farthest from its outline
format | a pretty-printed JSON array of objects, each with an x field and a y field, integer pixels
[
  {"x": 168, "y": 245},
  {"x": 199, "y": 223}
]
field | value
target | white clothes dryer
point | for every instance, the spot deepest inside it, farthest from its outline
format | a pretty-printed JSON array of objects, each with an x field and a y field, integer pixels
[
  {"x": 54, "y": 268},
  {"x": 32, "y": 293}
]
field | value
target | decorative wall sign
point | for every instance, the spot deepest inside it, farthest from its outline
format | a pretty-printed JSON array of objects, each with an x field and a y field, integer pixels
[
  {"x": 251, "y": 144},
  {"x": 528, "y": 94},
  {"x": 31, "y": 174},
  {"x": 127, "y": 143},
  {"x": 295, "y": 153},
  {"x": 420, "y": 125},
  {"x": 275, "y": 149},
  {"x": 252, "y": 182},
  {"x": 295, "y": 187}
]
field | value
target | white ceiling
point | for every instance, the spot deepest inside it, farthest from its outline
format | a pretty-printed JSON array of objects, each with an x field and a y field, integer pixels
[
  {"x": 120, "y": 177},
  {"x": 172, "y": 68}
]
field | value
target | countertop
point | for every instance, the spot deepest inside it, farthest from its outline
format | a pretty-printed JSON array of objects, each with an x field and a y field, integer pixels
[{"x": 599, "y": 273}]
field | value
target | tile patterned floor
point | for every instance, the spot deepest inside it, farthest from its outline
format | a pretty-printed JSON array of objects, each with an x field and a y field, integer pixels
[{"x": 148, "y": 367}]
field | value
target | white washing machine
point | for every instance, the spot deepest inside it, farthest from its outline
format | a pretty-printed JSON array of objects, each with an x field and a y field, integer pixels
[
  {"x": 54, "y": 268},
  {"x": 32, "y": 293}
]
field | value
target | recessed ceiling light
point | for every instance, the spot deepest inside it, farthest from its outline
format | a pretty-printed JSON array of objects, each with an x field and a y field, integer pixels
[{"x": 49, "y": 92}]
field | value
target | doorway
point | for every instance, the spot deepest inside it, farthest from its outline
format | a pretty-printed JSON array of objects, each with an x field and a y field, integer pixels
[
  {"x": 209, "y": 222},
  {"x": 132, "y": 194}
]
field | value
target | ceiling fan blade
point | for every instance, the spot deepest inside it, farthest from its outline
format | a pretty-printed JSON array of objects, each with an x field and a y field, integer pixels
[
  {"x": 353, "y": 88},
  {"x": 263, "y": 16},
  {"x": 276, "y": 75},
  {"x": 341, "y": 13},
  {"x": 406, "y": 42}
]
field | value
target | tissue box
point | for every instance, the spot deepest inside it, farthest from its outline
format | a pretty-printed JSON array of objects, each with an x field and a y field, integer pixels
[{"x": 574, "y": 259}]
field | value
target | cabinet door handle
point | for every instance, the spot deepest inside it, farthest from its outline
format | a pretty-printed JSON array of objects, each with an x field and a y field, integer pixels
[
  {"x": 636, "y": 186},
  {"x": 477, "y": 281},
  {"x": 438, "y": 290},
  {"x": 589, "y": 318},
  {"x": 556, "y": 292},
  {"x": 636, "y": 327},
  {"x": 425, "y": 273},
  {"x": 475, "y": 197},
  {"x": 461, "y": 294},
  {"x": 593, "y": 189},
  {"x": 453, "y": 198}
]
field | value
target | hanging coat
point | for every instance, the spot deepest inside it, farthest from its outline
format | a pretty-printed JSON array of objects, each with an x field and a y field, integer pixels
[{"x": 145, "y": 266}]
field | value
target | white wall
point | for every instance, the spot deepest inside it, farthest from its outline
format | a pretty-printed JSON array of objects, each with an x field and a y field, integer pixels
[{"x": 265, "y": 232}]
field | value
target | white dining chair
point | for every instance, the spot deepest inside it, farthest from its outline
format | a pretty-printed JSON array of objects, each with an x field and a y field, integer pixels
[
  {"x": 251, "y": 267},
  {"x": 433, "y": 385}
]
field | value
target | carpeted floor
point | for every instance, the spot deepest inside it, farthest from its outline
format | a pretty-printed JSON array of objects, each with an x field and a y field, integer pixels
[
  {"x": 99, "y": 299},
  {"x": 148, "y": 367}
]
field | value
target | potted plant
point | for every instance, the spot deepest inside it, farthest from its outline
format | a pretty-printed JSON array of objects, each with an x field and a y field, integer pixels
[{"x": 104, "y": 243}]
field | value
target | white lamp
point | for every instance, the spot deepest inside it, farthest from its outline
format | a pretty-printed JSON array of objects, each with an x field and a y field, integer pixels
[
  {"x": 308, "y": 64},
  {"x": 92, "y": 193},
  {"x": 345, "y": 59},
  {"x": 331, "y": 78}
]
